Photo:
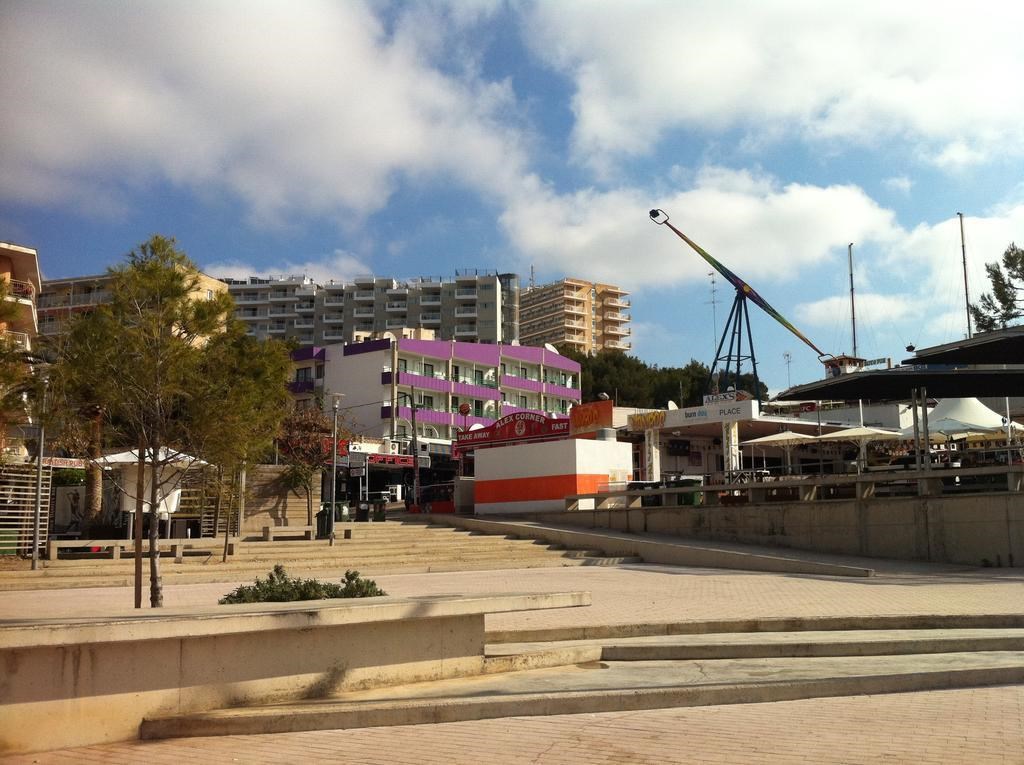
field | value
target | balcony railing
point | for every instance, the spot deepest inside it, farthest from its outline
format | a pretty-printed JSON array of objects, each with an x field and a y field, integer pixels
[
  {"x": 21, "y": 290},
  {"x": 363, "y": 295},
  {"x": 19, "y": 340},
  {"x": 465, "y": 292}
]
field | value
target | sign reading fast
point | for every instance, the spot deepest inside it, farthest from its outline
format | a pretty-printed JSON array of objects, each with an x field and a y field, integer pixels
[{"x": 515, "y": 427}]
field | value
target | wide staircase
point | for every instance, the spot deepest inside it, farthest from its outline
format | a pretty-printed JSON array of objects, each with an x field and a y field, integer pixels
[
  {"x": 607, "y": 668},
  {"x": 371, "y": 548}
]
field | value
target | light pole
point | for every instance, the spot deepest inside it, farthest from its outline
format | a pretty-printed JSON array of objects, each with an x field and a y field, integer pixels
[
  {"x": 415, "y": 452},
  {"x": 334, "y": 468}
]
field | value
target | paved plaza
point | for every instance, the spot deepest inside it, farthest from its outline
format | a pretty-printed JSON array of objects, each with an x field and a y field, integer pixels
[{"x": 984, "y": 725}]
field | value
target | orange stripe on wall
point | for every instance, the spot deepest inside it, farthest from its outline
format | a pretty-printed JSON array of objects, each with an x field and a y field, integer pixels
[{"x": 538, "y": 487}]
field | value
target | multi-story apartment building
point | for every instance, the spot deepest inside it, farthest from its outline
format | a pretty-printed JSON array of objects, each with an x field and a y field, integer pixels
[
  {"x": 19, "y": 269},
  {"x": 384, "y": 379},
  {"x": 473, "y": 306},
  {"x": 585, "y": 316},
  {"x": 60, "y": 299}
]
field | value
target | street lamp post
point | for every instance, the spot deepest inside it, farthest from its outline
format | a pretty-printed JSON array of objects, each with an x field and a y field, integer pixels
[
  {"x": 334, "y": 468},
  {"x": 415, "y": 452}
]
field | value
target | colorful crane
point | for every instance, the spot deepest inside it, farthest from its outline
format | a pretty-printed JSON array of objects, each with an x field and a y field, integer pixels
[{"x": 738, "y": 321}]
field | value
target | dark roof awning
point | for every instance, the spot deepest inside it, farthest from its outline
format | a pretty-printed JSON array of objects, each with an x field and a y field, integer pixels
[
  {"x": 1004, "y": 346},
  {"x": 896, "y": 384}
]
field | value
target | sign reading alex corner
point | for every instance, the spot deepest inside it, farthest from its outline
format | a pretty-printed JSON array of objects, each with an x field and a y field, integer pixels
[{"x": 519, "y": 426}]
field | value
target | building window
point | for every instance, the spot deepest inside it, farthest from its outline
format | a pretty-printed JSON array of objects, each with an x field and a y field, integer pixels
[
  {"x": 478, "y": 408},
  {"x": 319, "y": 371},
  {"x": 455, "y": 372},
  {"x": 304, "y": 374},
  {"x": 478, "y": 376},
  {"x": 402, "y": 365},
  {"x": 522, "y": 402},
  {"x": 428, "y": 369},
  {"x": 428, "y": 402},
  {"x": 504, "y": 370}
]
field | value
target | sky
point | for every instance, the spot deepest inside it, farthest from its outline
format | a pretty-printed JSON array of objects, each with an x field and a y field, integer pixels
[{"x": 338, "y": 139}]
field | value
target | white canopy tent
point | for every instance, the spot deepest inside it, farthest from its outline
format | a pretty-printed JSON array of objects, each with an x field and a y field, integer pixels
[
  {"x": 176, "y": 464},
  {"x": 962, "y": 417}
]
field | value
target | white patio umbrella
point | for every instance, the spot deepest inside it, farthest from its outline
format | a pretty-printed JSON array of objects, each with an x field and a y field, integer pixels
[
  {"x": 787, "y": 439},
  {"x": 861, "y": 436}
]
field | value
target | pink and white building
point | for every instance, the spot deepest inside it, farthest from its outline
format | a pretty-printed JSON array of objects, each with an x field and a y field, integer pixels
[{"x": 383, "y": 379}]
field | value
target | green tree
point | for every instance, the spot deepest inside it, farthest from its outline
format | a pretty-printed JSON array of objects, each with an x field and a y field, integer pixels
[
  {"x": 1003, "y": 305},
  {"x": 142, "y": 364},
  {"x": 305, "y": 449},
  {"x": 238, "y": 408},
  {"x": 16, "y": 377}
]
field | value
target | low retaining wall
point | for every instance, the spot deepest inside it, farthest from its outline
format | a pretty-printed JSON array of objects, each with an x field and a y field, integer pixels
[
  {"x": 94, "y": 680},
  {"x": 976, "y": 530}
]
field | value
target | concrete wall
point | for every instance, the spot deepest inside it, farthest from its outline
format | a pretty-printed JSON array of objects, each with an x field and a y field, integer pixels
[
  {"x": 967, "y": 529},
  {"x": 96, "y": 680},
  {"x": 539, "y": 476},
  {"x": 269, "y": 503}
]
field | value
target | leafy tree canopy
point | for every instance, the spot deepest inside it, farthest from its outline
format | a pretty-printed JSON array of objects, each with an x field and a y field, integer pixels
[{"x": 1003, "y": 305}]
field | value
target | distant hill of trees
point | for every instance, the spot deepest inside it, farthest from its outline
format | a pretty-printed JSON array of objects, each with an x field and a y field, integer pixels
[{"x": 631, "y": 382}]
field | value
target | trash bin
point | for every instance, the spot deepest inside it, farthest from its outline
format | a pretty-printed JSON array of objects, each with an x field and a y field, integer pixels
[
  {"x": 323, "y": 523},
  {"x": 363, "y": 512},
  {"x": 378, "y": 509}
]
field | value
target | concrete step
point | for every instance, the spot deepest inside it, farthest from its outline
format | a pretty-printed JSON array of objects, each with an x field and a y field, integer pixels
[
  {"x": 749, "y": 645},
  {"x": 328, "y": 571},
  {"x": 604, "y": 632},
  {"x": 606, "y": 686}
]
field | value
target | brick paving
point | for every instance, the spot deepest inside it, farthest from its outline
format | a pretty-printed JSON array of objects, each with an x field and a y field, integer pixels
[
  {"x": 956, "y": 726},
  {"x": 971, "y": 726}
]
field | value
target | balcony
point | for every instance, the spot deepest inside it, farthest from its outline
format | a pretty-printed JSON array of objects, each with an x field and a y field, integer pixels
[
  {"x": 301, "y": 386},
  {"x": 333, "y": 318},
  {"x": 575, "y": 309},
  {"x": 20, "y": 340},
  {"x": 616, "y": 303},
  {"x": 430, "y": 299},
  {"x": 334, "y": 334},
  {"x": 618, "y": 331},
  {"x": 279, "y": 296},
  {"x": 430, "y": 318},
  {"x": 521, "y": 383},
  {"x": 334, "y": 300},
  {"x": 396, "y": 323},
  {"x": 398, "y": 291},
  {"x": 465, "y": 329},
  {"x": 281, "y": 311},
  {"x": 617, "y": 344},
  {"x": 400, "y": 305},
  {"x": 363, "y": 295},
  {"x": 465, "y": 293},
  {"x": 303, "y": 324},
  {"x": 305, "y": 307},
  {"x": 468, "y": 311},
  {"x": 365, "y": 313},
  {"x": 250, "y": 297},
  {"x": 616, "y": 317},
  {"x": 277, "y": 329}
]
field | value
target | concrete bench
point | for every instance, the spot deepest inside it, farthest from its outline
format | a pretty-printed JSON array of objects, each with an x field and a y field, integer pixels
[
  {"x": 276, "y": 532},
  {"x": 118, "y": 547}
]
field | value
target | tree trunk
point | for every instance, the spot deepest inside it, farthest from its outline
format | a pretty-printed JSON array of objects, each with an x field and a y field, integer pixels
[
  {"x": 309, "y": 505},
  {"x": 139, "y": 506},
  {"x": 156, "y": 590},
  {"x": 94, "y": 474}
]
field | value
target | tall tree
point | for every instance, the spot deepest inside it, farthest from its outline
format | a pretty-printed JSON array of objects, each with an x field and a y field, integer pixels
[
  {"x": 1005, "y": 303},
  {"x": 236, "y": 415},
  {"x": 143, "y": 364},
  {"x": 305, "y": 448}
]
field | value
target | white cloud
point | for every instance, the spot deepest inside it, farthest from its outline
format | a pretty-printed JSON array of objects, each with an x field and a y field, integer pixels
[
  {"x": 339, "y": 266},
  {"x": 892, "y": 307},
  {"x": 944, "y": 80},
  {"x": 756, "y": 226},
  {"x": 900, "y": 183},
  {"x": 301, "y": 111}
]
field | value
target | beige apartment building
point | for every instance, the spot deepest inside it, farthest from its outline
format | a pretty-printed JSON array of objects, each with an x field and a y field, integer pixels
[
  {"x": 60, "y": 299},
  {"x": 585, "y": 316}
]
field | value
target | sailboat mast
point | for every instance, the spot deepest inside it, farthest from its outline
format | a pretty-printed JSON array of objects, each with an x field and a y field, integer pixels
[
  {"x": 967, "y": 296},
  {"x": 853, "y": 308}
]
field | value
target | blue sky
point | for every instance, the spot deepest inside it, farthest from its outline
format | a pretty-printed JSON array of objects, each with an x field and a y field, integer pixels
[{"x": 344, "y": 138}]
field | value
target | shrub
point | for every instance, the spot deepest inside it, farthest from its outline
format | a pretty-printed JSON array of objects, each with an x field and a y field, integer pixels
[{"x": 278, "y": 587}]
